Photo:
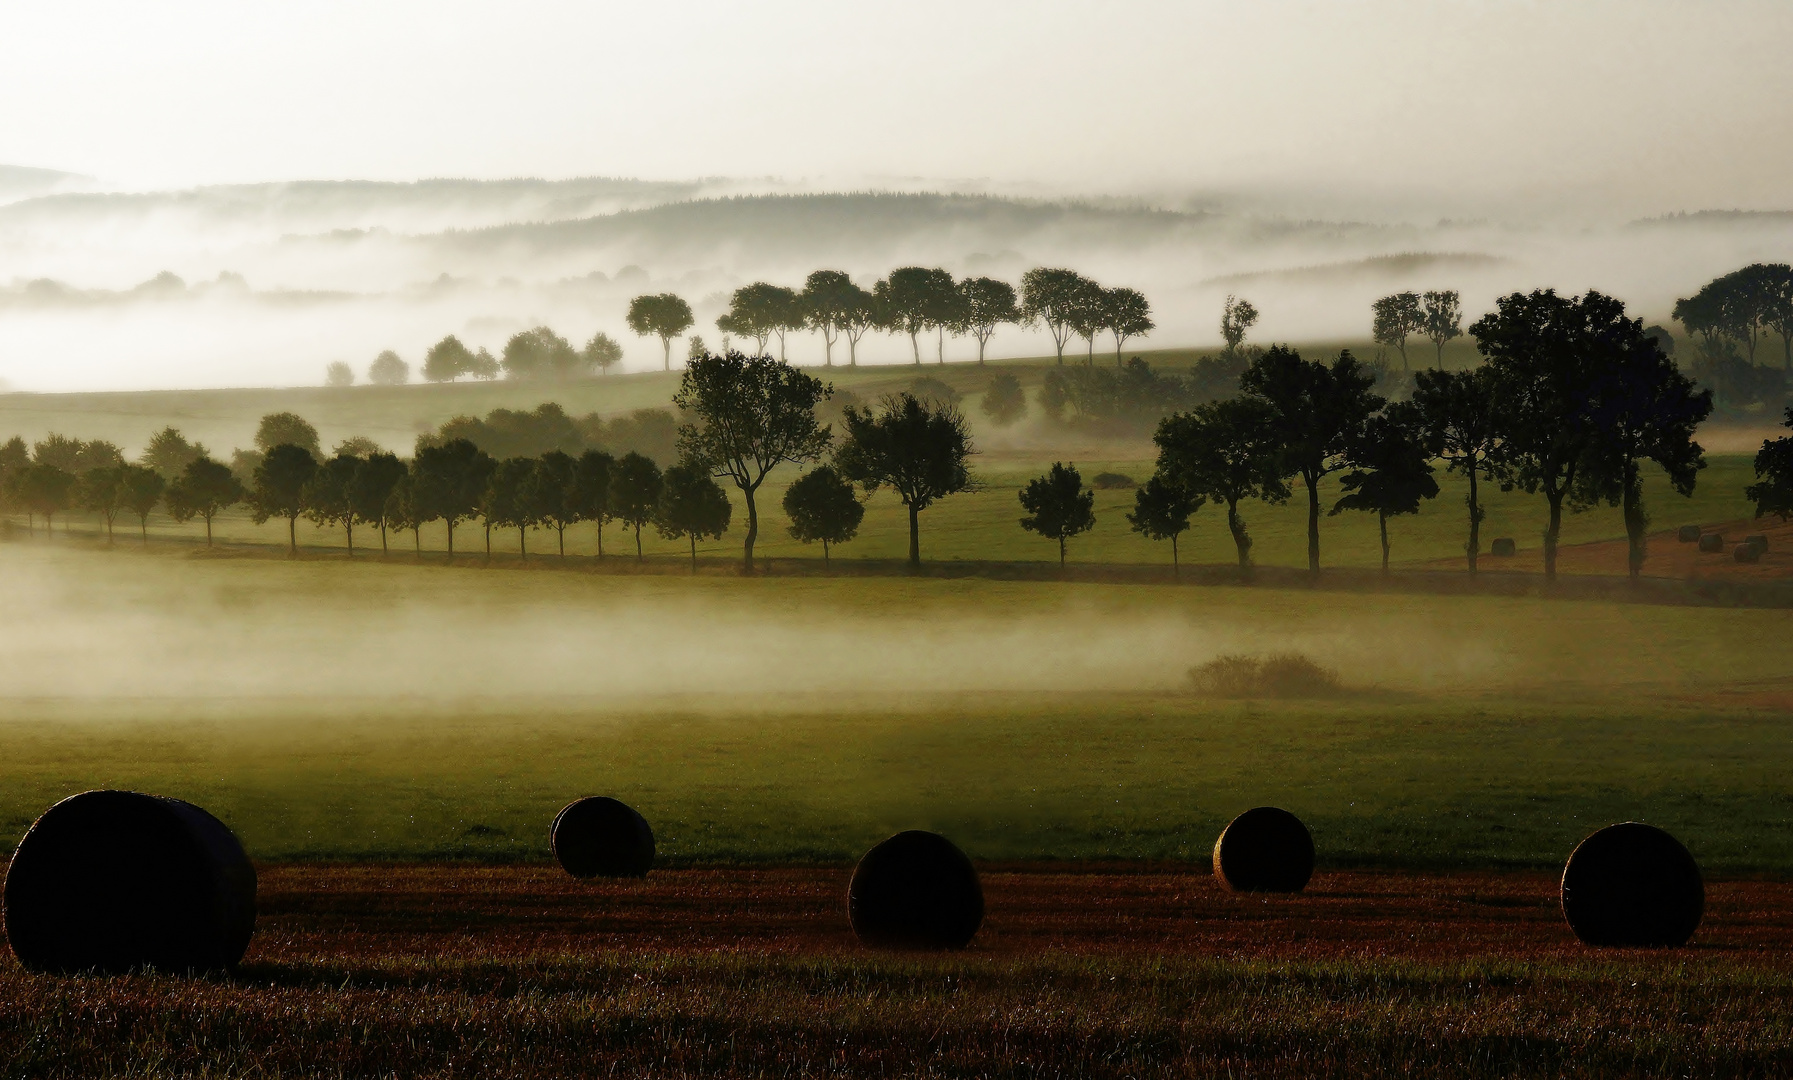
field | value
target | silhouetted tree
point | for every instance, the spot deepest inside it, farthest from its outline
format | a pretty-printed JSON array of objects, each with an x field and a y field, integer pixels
[
  {"x": 602, "y": 352},
  {"x": 822, "y": 505},
  {"x": 635, "y": 483},
  {"x": 1086, "y": 319},
  {"x": 370, "y": 490},
  {"x": 1058, "y": 506},
  {"x": 1773, "y": 493},
  {"x": 1462, "y": 426},
  {"x": 1236, "y": 317},
  {"x": 1776, "y": 281},
  {"x": 985, "y": 304},
  {"x": 100, "y": 490},
  {"x": 280, "y": 488},
  {"x": 1316, "y": 409},
  {"x": 1390, "y": 468},
  {"x": 662, "y": 315},
  {"x": 1053, "y": 297},
  {"x": 913, "y": 299},
  {"x": 447, "y": 360},
  {"x": 758, "y": 311},
  {"x": 540, "y": 353},
  {"x": 388, "y": 370},
  {"x": 47, "y": 490},
  {"x": 1126, "y": 314},
  {"x": 506, "y": 502},
  {"x": 692, "y": 505},
  {"x": 400, "y": 512},
  {"x": 169, "y": 452},
  {"x": 550, "y": 493},
  {"x": 326, "y": 495},
  {"x": 339, "y": 374},
  {"x": 1442, "y": 316},
  {"x": 203, "y": 488},
  {"x": 921, "y": 451},
  {"x": 484, "y": 366},
  {"x": 858, "y": 314},
  {"x": 1226, "y": 451},
  {"x": 751, "y": 414},
  {"x": 289, "y": 429},
  {"x": 447, "y": 483},
  {"x": 140, "y": 489},
  {"x": 827, "y": 301},
  {"x": 1004, "y": 401},
  {"x": 1394, "y": 318},
  {"x": 1161, "y": 511},
  {"x": 591, "y": 491}
]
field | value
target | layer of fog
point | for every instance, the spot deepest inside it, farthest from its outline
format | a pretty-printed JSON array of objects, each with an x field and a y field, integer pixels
[{"x": 276, "y": 281}]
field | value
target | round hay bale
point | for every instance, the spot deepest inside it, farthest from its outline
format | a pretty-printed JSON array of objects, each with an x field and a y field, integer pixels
[
  {"x": 1712, "y": 542},
  {"x": 1266, "y": 849},
  {"x": 1504, "y": 547},
  {"x": 1757, "y": 541},
  {"x": 601, "y": 837},
  {"x": 1688, "y": 534},
  {"x": 1632, "y": 884},
  {"x": 112, "y": 881},
  {"x": 1747, "y": 553},
  {"x": 915, "y": 890}
]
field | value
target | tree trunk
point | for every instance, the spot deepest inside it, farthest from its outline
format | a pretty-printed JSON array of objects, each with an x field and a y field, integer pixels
[
  {"x": 600, "y": 541},
  {"x": 1176, "y": 571},
  {"x": 1401, "y": 347},
  {"x": 666, "y": 354},
  {"x": 1382, "y": 521},
  {"x": 383, "y": 551},
  {"x": 348, "y": 528},
  {"x": 417, "y": 540},
  {"x": 694, "y": 553},
  {"x": 143, "y": 524},
  {"x": 450, "y": 522},
  {"x": 562, "y": 530},
  {"x": 1061, "y": 553},
  {"x": 1551, "y": 531},
  {"x": 488, "y": 539},
  {"x": 1636, "y": 521},
  {"x": 523, "y": 541},
  {"x": 1313, "y": 524},
  {"x": 108, "y": 531},
  {"x": 981, "y": 342},
  {"x": 638, "y": 541},
  {"x": 915, "y": 346},
  {"x": 208, "y": 530},
  {"x": 1241, "y": 539},
  {"x": 1475, "y": 518},
  {"x": 914, "y": 538},
  {"x": 753, "y": 530},
  {"x": 292, "y": 534},
  {"x": 940, "y": 347},
  {"x": 852, "y": 351},
  {"x": 824, "y": 554}
]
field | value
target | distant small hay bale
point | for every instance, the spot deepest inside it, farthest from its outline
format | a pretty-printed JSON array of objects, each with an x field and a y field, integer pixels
[
  {"x": 1504, "y": 548},
  {"x": 1285, "y": 675},
  {"x": 1632, "y": 884},
  {"x": 1688, "y": 534},
  {"x": 1114, "y": 481},
  {"x": 113, "y": 881},
  {"x": 1712, "y": 542},
  {"x": 1758, "y": 541},
  {"x": 915, "y": 890},
  {"x": 1747, "y": 553},
  {"x": 602, "y": 837},
  {"x": 1265, "y": 849}
]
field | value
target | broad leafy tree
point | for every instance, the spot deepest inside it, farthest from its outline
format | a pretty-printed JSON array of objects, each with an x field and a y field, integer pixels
[
  {"x": 1004, "y": 401},
  {"x": 1086, "y": 320},
  {"x": 140, "y": 489},
  {"x": 203, "y": 488},
  {"x": 1053, "y": 297},
  {"x": 447, "y": 483},
  {"x": 540, "y": 353},
  {"x": 280, "y": 485},
  {"x": 447, "y": 360},
  {"x": 750, "y": 414},
  {"x": 388, "y": 370},
  {"x": 859, "y": 314},
  {"x": 692, "y": 506},
  {"x": 400, "y": 512},
  {"x": 1390, "y": 468},
  {"x": 1394, "y": 319},
  {"x": 635, "y": 483},
  {"x": 759, "y": 311},
  {"x": 602, "y": 353},
  {"x": 1316, "y": 410},
  {"x": 1462, "y": 425},
  {"x": 506, "y": 502},
  {"x": 1126, "y": 313},
  {"x": 985, "y": 304},
  {"x": 169, "y": 452},
  {"x": 327, "y": 495},
  {"x": 823, "y": 505},
  {"x": 1161, "y": 511},
  {"x": 1226, "y": 451},
  {"x": 101, "y": 491},
  {"x": 1441, "y": 314},
  {"x": 339, "y": 374},
  {"x": 661, "y": 315},
  {"x": 287, "y": 429},
  {"x": 551, "y": 494},
  {"x": 922, "y": 451},
  {"x": 1237, "y": 317},
  {"x": 913, "y": 299},
  {"x": 370, "y": 491},
  {"x": 1058, "y": 506},
  {"x": 1773, "y": 490},
  {"x": 590, "y": 496},
  {"x": 826, "y": 303}
]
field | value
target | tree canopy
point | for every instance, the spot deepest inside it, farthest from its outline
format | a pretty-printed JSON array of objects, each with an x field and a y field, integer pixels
[
  {"x": 920, "y": 450},
  {"x": 1161, "y": 511},
  {"x": 1226, "y": 451},
  {"x": 692, "y": 505},
  {"x": 1058, "y": 505},
  {"x": 661, "y": 315},
  {"x": 822, "y": 505}
]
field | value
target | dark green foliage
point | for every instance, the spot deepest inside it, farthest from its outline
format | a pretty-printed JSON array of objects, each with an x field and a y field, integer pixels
[
  {"x": 327, "y": 496},
  {"x": 74, "y": 456},
  {"x": 203, "y": 488},
  {"x": 933, "y": 391},
  {"x": 370, "y": 490},
  {"x": 661, "y": 315},
  {"x": 280, "y": 486},
  {"x": 602, "y": 352},
  {"x": 832, "y": 305},
  {"x": 760, "y": 310},
  {"x": 1005, "y": 402},
  {"x": 1161, "y": 511},
  {"x": 1316, "y": 410},
  {"x": 448, "y": 483},
  {"x": 1058, "y": 506},
  {"x": 551, "y": 494},
  {"x": 287, "y": 429},
  {"x": 985, "y": 304},
  {"x": 1396, "y": 318},
  {"x": 140, "y": 488},
  {"x": 822, "y": 505},
  {"x": 590, "y": 495},
  {"x": 1124, "y": 313},
  {"x": 920, "y": 451},
  {"x": 448, "y": 360},
  {"x": 100, "y": 490},
  {"x": 1727, "y": 318},
  {"x": 750, "y": 414},
  {"x": 400, "y": 512},
  {"x": 1225, "y": 451},
  {"x": 1118, "y": 401},
  {"x": 169, "y": 452},
  {"x": 1462, "y": 426},
  {"x": 540, "y": 353},
  {"x": 635, "y": 483},
  {"x": 507, "y": 502},
  {"x": 913, "y": 299},
  {"x": 1390, "y": 468},
  {"x": 46, "y": 490},
  {"x": 1113, "y": 481},
  {"x": 1055, "y": 297},
  {"x": 1773, "y": 494},
  {"x": 1441, "y": 319},
  {"x": 692, "y": 505},
  {"x": 506, "y": 433}
]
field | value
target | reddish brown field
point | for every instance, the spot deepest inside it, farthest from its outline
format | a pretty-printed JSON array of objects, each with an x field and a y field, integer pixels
[{"x": 1668, "y": 557}]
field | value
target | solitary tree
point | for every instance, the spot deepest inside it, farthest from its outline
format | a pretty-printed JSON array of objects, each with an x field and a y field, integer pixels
[
  {"x": 447, "y": 483},
  {"x": 280, "y": 488},
  {"x": 447, "y": 360},
  {"x": 822, "y": 505},
  {"x": 370, "y": 490},
  {"x": 1125, "y": 313},
  {"x": 169, "y": 452},
  {"x": 1004, "y": 401},
  {"x": 602, "y": 353},
  {"x": 388, "y": 370},
  {"x": 326, "y": 496},
  {"x": 692, "y": 505},
  {"x": 1394, "y": 319},
  {"x": 750, "y": 415},
  {"x": 1316, "y": 409},
  {"x": 661, "y": 315},
  {"x": 1226, "y": 451},
  {"x": 1161, "y": 511},
  {"x": 339, "y": 374},
  {"x": 1236, "y": 317},
  {"x": 635, "y": 483},
  {"x": 1442, "y": 315},
  {"x": 289, "y": 429},
  {"x": 919, "y": 450},
  {"x": 203, "y": 488},
  {"x": 1058, "y": 506},
  {"x": 590, "y": 496},
  {"x": 1462, "y": 425},
  {"x": 140, "y": 489},
  {"x": 1053, "y": 296},
  {"x": 985, "y": 304},
  {"x": 1391, "y": 470}
]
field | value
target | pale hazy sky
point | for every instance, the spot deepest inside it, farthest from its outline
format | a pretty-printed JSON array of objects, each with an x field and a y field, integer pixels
[{"x": 1648, "y": 104}]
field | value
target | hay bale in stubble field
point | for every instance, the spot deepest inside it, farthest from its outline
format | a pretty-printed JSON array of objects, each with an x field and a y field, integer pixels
[
  {"x": 1759, "y": 540},
  {"x": 1504, "y": 547},
  {"x": 1265, "y": 849},
  {"x": 1632, "y": 884},
  {"x": 1688, "y": 534},
  {"x": 915, "y": 890},
  {"x": 112, "y": 881},
  {"x": 1712, "y": 542},
  {"x": 1747, "y": 553},
  {"x": 599, "y": 836}
]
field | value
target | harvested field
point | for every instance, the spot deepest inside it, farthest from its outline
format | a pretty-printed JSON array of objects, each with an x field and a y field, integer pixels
[
  {"x": 1668, "y": 556},
  {"x": 523, "y": 971}
]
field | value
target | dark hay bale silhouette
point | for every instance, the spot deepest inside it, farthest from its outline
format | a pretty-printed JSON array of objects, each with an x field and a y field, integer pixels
[
  {"x": 1113, "y": 481},
  {"x": 1504, "y": 547},
  {"x": 112, "y": 881},
  {"x": 1747, "y": 553},
  {"x": 1632, "y": 884},
  {"x": 915, "y": 891},
  {"x": 1712, "y": 542},
  {"x": 602, "y": 837},
  {"x": 1758, "y": 540},
  {"x": 1284, "y": 675},
  {"x": 1264, "y": 850},
  {"x": 1688, "y": 534}
]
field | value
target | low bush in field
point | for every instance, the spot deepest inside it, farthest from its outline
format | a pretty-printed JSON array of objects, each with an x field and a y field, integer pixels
[{"x": 1282, "y": 675}]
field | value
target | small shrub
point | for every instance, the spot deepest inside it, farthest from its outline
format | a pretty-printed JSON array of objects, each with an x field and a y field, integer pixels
[
  {"x": 1114, "y": 481},
  {"x": 1283, "y": 675}
]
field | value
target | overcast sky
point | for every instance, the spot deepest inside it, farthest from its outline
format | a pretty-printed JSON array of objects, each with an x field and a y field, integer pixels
[{"x": 1645, "y": 105}]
